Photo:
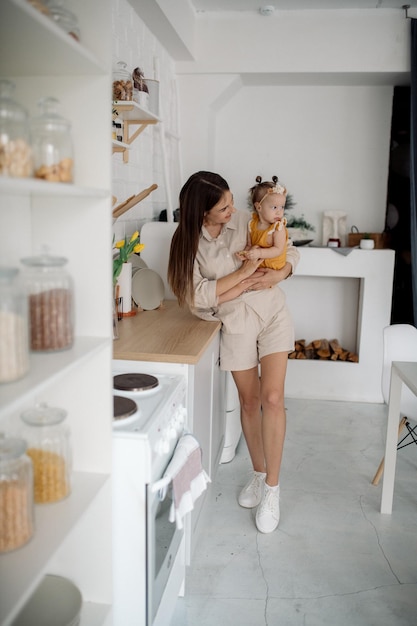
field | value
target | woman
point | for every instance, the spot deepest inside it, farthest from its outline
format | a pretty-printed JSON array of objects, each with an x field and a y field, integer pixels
[{"x": 206, "y": 272}]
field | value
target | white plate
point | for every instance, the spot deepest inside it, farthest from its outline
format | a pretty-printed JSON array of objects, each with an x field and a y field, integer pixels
[
  {"x": 137, "y": 261},
  {"x": 148, "y": 289},
  {"x": 55, "y": 602}
]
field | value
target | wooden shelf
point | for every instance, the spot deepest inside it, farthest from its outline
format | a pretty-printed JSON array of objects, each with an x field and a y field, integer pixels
[{"x": 132, "y": 115}]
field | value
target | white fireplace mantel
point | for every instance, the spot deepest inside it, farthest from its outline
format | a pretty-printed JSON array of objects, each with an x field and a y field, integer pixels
[{"x": 337, "y": 380}]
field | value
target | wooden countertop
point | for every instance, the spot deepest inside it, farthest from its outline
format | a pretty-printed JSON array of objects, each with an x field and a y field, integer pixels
[{"x": 169, "y": 334}]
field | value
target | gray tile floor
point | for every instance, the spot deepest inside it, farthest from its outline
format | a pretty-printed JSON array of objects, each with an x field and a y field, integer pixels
[{"x": 334, "y": 559}]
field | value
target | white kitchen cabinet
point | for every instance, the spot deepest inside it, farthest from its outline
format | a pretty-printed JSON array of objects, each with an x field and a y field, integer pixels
[
  {"x": 73, "y": 537},
  {"x": 206, "y": 420},
  {"x": 171, "y": 340}
]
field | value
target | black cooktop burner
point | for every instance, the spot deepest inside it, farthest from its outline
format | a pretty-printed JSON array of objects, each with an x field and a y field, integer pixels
[
  {"x": 123, "y": 407},
  {"x": 135, "y": 382}
]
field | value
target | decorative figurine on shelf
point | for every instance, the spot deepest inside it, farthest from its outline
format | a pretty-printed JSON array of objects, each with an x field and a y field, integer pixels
[{"x": 140, "y": 88}]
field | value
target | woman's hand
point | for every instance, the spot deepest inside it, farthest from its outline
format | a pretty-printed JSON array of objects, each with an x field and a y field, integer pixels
[{"x": 266, "y": 278}]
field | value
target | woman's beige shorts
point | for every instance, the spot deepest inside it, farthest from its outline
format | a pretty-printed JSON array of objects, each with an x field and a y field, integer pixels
[{"x": 244, "y": 351}]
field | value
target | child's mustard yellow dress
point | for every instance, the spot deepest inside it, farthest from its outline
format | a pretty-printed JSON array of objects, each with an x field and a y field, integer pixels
[{"x": 260, "y": 238}]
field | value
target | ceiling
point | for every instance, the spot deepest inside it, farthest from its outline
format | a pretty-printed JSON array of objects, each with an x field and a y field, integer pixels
[{"x": 203, "y": 6}]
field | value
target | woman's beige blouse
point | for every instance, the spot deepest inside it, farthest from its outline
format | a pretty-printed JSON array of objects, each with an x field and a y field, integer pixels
[{"x": 216, "y": 257}]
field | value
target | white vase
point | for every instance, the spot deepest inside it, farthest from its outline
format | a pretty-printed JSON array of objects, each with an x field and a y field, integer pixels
[{"x": 125, "y": 287}]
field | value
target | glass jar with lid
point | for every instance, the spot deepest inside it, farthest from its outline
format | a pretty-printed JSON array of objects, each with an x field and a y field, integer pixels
[
  {"x": 52, "y": 143},
  {"x": 16, "y": 494},
  {"x": 15, "y": 150},
  {"x": 14, "y": 344},
  {"x": 49, "y": 449},
  {"x": 122, "y": 82},
  {"x": 63, "y": 18},
  {"x": 50, "y": 290}
]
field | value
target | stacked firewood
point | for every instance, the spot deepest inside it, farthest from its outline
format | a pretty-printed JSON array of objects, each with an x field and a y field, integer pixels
[{"x": 322, "y": 349}]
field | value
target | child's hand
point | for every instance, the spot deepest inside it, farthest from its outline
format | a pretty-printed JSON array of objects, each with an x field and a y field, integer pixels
[{"x": 253, "y": 253}]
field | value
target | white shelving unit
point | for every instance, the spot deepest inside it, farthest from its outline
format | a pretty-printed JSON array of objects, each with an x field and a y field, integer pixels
[{"x": 72, "y": 537}]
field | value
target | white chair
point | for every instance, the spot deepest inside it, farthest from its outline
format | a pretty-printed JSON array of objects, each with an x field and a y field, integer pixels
[{"x": 400, "y": 344}]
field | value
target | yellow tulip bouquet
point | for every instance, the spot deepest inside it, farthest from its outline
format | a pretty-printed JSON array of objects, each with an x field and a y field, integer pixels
[{"x": 126, "y": 249}]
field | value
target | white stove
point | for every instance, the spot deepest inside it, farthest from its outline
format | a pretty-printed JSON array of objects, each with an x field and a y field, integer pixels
[{"x": 148, "y": 550}]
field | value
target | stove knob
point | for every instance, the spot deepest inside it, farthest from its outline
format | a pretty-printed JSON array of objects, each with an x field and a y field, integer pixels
[{"x": 171, "y": 430}]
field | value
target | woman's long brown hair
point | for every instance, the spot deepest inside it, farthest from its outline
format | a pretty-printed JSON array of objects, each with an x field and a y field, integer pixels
[{"x": 201, "y": 192}]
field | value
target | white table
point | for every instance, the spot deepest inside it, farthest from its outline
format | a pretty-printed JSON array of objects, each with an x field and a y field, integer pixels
[{"x": 402, "y": 372}]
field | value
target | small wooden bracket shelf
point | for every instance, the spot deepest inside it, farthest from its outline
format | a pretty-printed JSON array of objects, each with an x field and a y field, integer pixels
[{"x": 132, "y": 115}]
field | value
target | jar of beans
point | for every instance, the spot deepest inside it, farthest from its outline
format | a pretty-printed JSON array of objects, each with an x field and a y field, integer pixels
[
  {"x": 50, "y": 290},
  {"x": 49, "y": 448},
  {"x": 52, "y": 144},
  {"x": 15, "y": 149},
  {"x": 16, "y": 495},
  {"x": 14, "y": 344}
]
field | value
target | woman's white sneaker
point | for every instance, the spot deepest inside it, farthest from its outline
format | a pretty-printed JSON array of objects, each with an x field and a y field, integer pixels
[
  {"x": 251, "y": 494},
  {"x": 267, "y": 514}
]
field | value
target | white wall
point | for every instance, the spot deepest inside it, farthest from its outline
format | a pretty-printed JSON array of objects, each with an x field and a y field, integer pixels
[
  {"x": 329, "y": 145},
  {"x": 134, "y": 44},
  {"x": 304, "y": 95}
]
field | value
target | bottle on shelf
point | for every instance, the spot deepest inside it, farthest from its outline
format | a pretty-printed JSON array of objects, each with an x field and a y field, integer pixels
[
  {"x": 15, "y": 150},
  {"x": 50, "y": 291},
  {"x": 52, "y": 143},
  {"x": 14, "y": 343},
  {"x": 122, "y": 82},
  {"x": 16, "y": 494},
  {"x": 49, "y": 449},
  {"x": 63, "y": 18}
]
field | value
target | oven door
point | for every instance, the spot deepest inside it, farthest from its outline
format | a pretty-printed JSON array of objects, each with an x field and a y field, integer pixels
[{"x": 162, "y": 543}]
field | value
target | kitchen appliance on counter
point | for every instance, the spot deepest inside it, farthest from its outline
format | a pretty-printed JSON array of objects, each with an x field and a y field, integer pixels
[{"x": 148, "y": 549}]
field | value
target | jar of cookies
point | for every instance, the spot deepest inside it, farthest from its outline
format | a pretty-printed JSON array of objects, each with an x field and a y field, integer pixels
[
  {"x": 122, "y": 82},
  {"x": 14, "y": 344},
  {"x": 16, "y": 495},
  {"x": 15, "y": 150},
  {"x": 52, "y": 144},
  {"x": 50, "y": 293},
  {"x": 49, "y": 449}
]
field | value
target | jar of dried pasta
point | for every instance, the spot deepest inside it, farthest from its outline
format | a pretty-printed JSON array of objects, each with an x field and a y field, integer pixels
[
  {"x": 16, "y": 495},
  {"x": 49, "y": 448},
  {"x": 15, "y": 149},
  {"x": 50, "y": 290},
  {"x": 52, "y": 144}
]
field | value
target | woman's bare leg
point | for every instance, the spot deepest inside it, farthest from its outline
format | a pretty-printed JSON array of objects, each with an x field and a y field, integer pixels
[
  {"x": 249, "y": 389},
  {"x": 273, "y": 370}
]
